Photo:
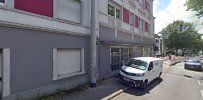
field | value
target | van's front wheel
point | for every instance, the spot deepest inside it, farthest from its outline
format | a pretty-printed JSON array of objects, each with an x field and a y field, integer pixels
[
  {"x": 144, "y": 85},
  {"x": 159, "y": 77}
]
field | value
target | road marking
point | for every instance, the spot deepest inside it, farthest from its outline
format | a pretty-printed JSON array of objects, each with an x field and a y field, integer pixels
[
  {"x": 202, "y": 92},
  {"x": 198, "y": 82}
]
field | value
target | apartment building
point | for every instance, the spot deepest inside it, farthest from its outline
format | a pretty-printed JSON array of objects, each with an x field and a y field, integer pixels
[
  {"x": 44, "y": 46},
  {"x": 126, "y": 30}
]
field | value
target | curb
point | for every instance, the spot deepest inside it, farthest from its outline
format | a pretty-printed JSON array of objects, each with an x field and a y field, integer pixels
[
  {"x": 114, "y": 94},
  {"x": 174, "y": 63}
]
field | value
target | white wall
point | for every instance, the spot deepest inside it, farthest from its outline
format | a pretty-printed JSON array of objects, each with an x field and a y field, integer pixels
[
  {"x": 11, "y": 16},
  {"x": 103, "y": 7}
]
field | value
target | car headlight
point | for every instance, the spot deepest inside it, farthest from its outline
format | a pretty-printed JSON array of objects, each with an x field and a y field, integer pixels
[{"x": 140, "y": 75}]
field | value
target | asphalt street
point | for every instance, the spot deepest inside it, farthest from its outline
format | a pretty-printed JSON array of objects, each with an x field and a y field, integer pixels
[{"x": 176, "y": 84}]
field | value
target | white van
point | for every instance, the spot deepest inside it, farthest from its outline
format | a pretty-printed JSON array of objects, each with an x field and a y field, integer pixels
[{"x": 139, "y": 72}]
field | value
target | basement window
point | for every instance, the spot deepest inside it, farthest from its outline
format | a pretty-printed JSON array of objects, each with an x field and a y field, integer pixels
[{"x": 67, "y": 62}]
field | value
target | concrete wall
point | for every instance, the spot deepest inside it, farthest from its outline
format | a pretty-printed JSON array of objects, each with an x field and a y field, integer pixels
[
  {"x": 31, "y": 59},
  {"x": 104, "y": 61},
  {"x": 108, "y": 35}
]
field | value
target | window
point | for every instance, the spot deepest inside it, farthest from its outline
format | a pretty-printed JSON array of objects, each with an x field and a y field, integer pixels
[
  {"x": 118, "y": 13},
  {"x": 69, "y": 10},
  {"x": 138, "y": 64},
  {"x": 147, "y": 6},
  {"x": 119, "y": 57},
  {"x": 141, "y": 2},
  {"x": 113, "y": 11},
  {"x": 141, "y": 24},
  {"x": 132, "y": 19},
  {"x": 150, "y": 66},
  {"x": 2, "y": 1},
  {"x": 146, "y": 27},
  {"x": 67, "y": 63}
]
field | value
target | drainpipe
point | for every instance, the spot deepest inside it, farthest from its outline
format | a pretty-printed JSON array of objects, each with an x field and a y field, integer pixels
[{"x": 93, "y": 44}]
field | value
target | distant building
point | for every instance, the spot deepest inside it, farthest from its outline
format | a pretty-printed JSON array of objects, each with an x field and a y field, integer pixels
[{"x": 159, "y": 46}]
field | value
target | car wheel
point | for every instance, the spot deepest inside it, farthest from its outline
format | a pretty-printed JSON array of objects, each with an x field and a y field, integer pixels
[
  {"x": 144, "y": 85},
  {"x": 159, "y": 77},
  {"x": 185, "y": 67}
]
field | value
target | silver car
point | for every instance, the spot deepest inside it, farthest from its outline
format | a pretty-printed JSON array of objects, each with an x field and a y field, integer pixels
[{"x": 194, "y": 64}]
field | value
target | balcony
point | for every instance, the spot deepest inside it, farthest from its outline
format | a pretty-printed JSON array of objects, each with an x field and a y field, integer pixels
[{"x": 111, "y": 22}]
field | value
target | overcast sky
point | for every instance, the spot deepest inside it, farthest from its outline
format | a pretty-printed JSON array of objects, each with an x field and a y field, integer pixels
[{"x": 167, "y": 11}]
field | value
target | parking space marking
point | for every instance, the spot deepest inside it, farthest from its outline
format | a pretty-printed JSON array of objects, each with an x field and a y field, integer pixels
[
  {"x": 202, "y": 93},
  {"x": 198, "y": 82}
]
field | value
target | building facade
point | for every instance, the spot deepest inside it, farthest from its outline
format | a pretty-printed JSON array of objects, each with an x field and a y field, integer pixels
[
  {"x": 126, "y": 29},
  {"x": 159, "y": 46},
  {"x": 45, "y": 44}
]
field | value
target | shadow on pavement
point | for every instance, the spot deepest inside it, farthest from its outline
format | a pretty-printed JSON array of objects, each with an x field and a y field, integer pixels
[{"x": 140, "y": 92}]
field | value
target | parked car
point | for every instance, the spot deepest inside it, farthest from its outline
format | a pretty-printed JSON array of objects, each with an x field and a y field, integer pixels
[
  {"x": 194, "y": 64},
  {"x": 139, "y": 72}
]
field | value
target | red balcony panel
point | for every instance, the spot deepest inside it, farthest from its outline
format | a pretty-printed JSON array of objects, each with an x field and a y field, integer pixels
[
  {"x": 42, "y": 7},
  {"x": 146, "y": 26},
  {"x": 136, "y": 21},
  {"x": 126, "y": 15}
]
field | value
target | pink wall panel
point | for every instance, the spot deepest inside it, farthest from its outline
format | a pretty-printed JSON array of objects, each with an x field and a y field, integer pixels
[
  {"x": 136, "y": 21},
  {"x": 126, "y": 15},
  {"x": 42, "y": 7}
]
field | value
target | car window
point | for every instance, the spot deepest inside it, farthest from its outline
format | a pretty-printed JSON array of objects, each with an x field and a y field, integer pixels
[
  {"x": 194, "y": 61},
  {"x": 151, "y": 65},
  {"x": 139, "y": 64},
  {"x": 198, "y": 61}
]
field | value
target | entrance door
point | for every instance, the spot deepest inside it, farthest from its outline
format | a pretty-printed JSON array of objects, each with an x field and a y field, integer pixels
[
  {"x": 115, "y": 59},
  {"x": 124, "y": 55}
]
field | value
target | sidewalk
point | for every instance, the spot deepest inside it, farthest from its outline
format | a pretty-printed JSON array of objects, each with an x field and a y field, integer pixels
[
  {"x": 106, "y": 89},
  {"x": 173, "y": 61}
]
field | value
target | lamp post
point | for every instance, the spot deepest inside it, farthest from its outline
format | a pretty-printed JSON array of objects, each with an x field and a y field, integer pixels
[{"x": 93, "y": 43}]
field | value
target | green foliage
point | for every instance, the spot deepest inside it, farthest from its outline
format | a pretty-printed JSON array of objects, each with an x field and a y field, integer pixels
[
  {"x": 181, "y": 35},
  {"x": 195, "y": 5}
]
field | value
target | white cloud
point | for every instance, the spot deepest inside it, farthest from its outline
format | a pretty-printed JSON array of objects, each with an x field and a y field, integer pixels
[{"x": 174, "y": 11}]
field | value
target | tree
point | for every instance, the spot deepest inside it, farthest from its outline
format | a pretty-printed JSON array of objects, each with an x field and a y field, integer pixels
[
  {"x": 180, "y": 35},
  {"x": 195, "y": 5}
]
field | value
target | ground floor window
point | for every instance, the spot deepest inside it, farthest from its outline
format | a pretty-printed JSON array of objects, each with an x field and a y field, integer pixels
[
  {"x": 2, "y": 1},
  {"x": 67, "y": 62},
  {"x": 120, "y": 56}
]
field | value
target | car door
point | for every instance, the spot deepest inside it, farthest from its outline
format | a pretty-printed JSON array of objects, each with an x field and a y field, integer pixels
[
  {"x": 156, "y": 68},
  {"x": 151, "y": 72}
]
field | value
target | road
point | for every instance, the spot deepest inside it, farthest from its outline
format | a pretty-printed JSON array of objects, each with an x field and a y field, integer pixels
[{"x": 176, "y": 84}]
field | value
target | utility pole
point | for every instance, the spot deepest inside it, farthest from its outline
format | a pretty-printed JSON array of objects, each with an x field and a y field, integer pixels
[{"x": 93, "y": 43}]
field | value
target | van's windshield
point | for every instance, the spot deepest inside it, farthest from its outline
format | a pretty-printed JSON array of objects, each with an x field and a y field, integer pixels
[{"x": 138, "y": 64}]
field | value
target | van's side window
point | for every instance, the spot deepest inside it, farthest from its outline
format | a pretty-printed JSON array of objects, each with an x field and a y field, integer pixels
[{"x": 150, "y": 66}]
